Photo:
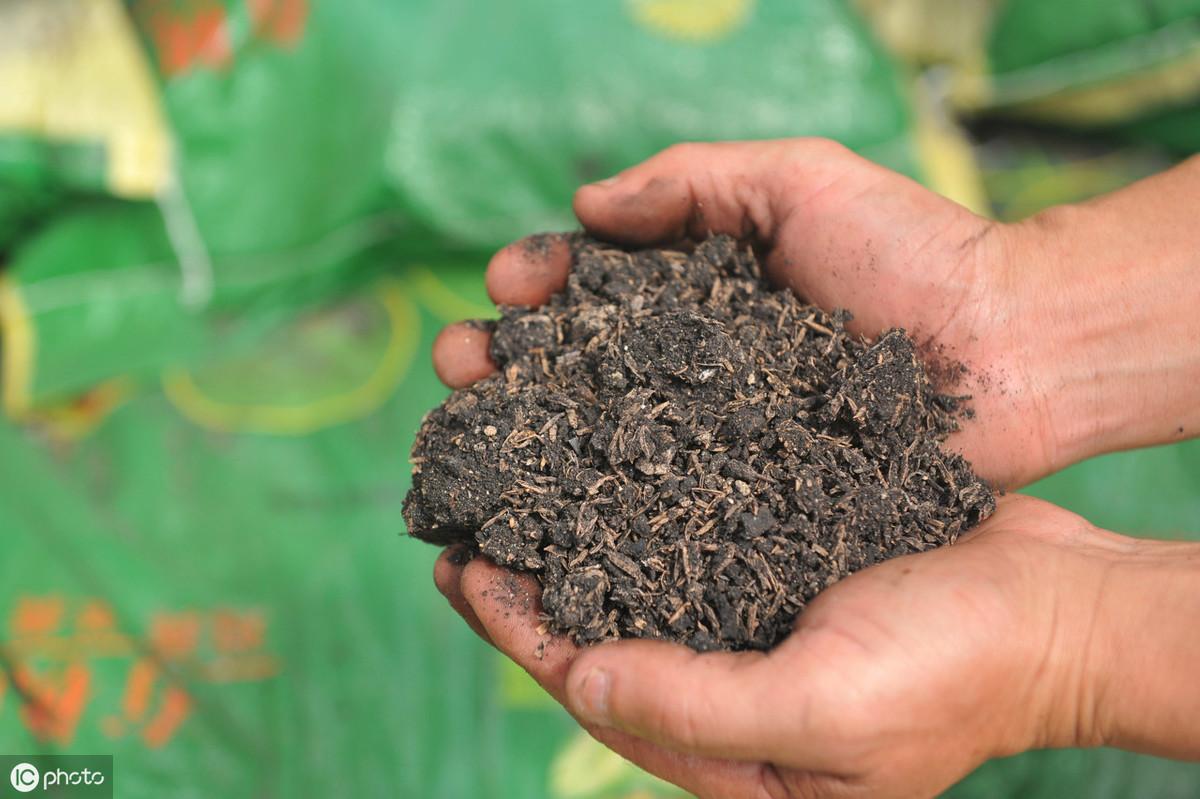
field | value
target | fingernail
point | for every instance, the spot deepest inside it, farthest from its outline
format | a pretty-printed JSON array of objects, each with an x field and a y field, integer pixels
[
  {"x": 591, "y": 698},
  {"x": 607, "y": 182}
]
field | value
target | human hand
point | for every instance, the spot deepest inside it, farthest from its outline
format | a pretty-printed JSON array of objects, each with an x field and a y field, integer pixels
[
  {"x": 843, "y": 233},
  {"x": 1061, "y": 367},
  {"x": 1035, "y": 630}
]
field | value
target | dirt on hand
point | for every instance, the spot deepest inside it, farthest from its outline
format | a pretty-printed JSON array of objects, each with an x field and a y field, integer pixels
[{"x": 679, "y": 451}]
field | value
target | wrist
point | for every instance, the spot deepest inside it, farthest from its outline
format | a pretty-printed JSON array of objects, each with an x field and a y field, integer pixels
[
  {"x": 1065, "y": 326},
  {"x": 1120, "y": 666},
  {"x": 1055, "y": 658},
  {"x": 1111, "y": 341},
  {"x": 1147, "y": 653}
]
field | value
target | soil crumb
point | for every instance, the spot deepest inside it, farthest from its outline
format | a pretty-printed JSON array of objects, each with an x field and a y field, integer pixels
[{"x": 679, "y": 451}]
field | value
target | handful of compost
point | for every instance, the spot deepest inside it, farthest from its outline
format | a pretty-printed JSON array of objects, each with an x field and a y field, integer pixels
[{"x": 679, "y": 451}]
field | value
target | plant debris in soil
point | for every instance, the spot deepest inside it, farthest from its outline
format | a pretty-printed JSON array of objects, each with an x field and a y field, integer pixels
[{"x": 679, "y": 451}]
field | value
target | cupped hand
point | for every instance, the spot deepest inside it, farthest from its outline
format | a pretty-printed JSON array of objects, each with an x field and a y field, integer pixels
[
  {"x": 896, "y": 682},
  {"x": 843, "y": 233},
  {"x": 1031, "y": 631}
]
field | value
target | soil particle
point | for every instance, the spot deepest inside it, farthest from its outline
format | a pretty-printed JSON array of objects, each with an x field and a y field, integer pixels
[
  {"x": 461, "y": 555},
  {"x": 678, "y": 451},
  {"x": 540, "y": 244},
  {"x": 945, "y": 372},
  {"x": 482, "y": 325}
]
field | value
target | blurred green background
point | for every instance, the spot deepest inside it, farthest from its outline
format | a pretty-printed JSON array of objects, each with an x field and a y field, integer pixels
[{"x": 229, "y": 231}]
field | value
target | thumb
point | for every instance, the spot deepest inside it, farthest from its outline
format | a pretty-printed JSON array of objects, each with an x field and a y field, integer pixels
[
  {"x": 713, "y": 704},
  {"x": 690, "y": 190}
]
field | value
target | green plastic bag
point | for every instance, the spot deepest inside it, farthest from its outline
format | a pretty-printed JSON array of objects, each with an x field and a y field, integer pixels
[
  {"x": 1093, "y": 64},
  {"x": 290, "y": 151},
  {"x": 538, "y": 98}
]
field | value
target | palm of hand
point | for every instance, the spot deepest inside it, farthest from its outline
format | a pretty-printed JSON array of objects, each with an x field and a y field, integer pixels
[
  {"x": 853, "y": 235},
  {"x": 896, "y": 682}
]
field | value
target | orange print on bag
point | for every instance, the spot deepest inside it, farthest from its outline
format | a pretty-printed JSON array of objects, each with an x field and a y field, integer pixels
[
  {"x": 279, "y": 21},
  {"x": 53, "y": 643},
  {"x": 188, "y": 34}
]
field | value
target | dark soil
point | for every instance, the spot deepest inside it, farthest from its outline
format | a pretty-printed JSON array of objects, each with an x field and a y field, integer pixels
[{"x": 679, "y": 451}]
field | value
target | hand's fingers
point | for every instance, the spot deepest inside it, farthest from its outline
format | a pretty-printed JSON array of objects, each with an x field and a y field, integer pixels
[
  {"x": 702, "y": 776},
  {"x": 690, "y": 190},
  {"x": 527, "y": 272},
  {"x": 716, "y": 704},
  {"x": 508, "y": 605},
  {"x": 447, "y": 576},
  {"x": 835, "y": 228},
  {"x": 460, "y": 354}
]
